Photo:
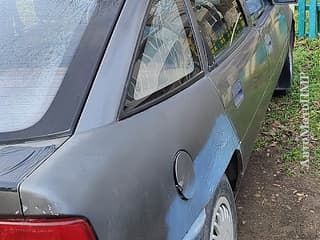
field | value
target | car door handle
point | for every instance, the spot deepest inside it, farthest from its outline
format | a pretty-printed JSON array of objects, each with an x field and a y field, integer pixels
[
  {"x": 268, "y": 43},
  {"x": 237, "y": 93}
]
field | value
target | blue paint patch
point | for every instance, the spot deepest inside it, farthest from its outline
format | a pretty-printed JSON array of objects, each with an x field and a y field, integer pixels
[
  {"x": 261, "y": 53},
  {"x": 210, "y": 165},
  {"x": 283, "y": 24}
]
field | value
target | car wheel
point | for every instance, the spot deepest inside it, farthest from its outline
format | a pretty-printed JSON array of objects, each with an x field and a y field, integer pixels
[
  {"x": 286, "y": 77},
  {"x": 221, "y": 221}
]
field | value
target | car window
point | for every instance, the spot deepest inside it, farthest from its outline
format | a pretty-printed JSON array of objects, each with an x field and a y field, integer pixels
[
  {"x": 167, "y": 54},
  {"x": 255, "y": 7},
  {"x": 221, "y": 23},
  {"x": 38, "y": 39}
]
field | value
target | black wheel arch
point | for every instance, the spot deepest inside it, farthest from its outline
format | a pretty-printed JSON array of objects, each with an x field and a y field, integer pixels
[{"x": 235, "y": 170}]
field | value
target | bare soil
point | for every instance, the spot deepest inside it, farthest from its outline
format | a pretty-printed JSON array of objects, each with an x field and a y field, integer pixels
[{"x": 272, "y": 205}]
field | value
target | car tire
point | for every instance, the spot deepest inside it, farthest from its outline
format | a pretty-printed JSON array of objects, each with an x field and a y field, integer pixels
[
  {"x": 286, "y": 77},
  {"x": 221, "y": 216}
]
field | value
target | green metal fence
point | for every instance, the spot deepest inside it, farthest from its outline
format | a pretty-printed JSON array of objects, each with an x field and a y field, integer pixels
[{"x": 308, "y": 18}]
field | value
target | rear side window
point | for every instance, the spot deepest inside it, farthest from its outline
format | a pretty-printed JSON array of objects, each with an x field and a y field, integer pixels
[
  {"x": 38, "y": 40},
  {"x": 167, "y": 54},
  {"x": 255, "y": 7},
  {"x": 221, "y": 23}
]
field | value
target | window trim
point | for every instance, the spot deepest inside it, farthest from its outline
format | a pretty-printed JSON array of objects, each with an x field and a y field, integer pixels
[
  {"x": 245, "y": 11},
  {"x": 256, "y": 16},
  {"x": 124, "y": 113},
  {"x": 200, "y": 39},
  {"x": 226, "y": 52},
  {"x": 260, "y": 21},
  {"x": 217, "y": 59}
]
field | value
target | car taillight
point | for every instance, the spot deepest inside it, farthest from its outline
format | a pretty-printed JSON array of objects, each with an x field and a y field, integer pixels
[{"x": 46, "y": 229}]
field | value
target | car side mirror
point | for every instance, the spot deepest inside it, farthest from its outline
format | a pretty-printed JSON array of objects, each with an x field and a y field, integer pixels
[{"x": 283, "y": 1}]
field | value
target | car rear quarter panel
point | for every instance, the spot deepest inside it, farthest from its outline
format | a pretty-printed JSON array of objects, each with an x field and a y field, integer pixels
[{"x": 121, "y": 176}]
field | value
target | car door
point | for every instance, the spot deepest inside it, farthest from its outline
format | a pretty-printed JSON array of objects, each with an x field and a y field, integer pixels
[
  {"x": 239, "y": 71},
  {"x": 272, "y": 23}
]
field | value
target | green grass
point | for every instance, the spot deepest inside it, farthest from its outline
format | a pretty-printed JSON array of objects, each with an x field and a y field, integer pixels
[{"x": 281, "y": 128}]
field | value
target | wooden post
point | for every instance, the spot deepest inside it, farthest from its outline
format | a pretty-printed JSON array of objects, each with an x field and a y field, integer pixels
[
  {"x": 302, "y": 18},
  {"x": 313, "y": 19}
]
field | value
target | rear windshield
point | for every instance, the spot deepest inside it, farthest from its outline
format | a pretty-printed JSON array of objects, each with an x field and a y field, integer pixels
[{"x": 38, "y": 39}]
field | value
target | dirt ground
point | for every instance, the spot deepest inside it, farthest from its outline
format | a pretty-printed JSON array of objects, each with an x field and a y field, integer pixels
[{"x": 272, "y": 205}]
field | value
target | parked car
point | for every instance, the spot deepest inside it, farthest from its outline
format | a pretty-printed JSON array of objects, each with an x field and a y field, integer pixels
[{"x": 133, "y": 119}]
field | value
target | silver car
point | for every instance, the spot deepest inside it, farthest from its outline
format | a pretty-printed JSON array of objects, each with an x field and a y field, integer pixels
[{"x": 125, "y": 119}]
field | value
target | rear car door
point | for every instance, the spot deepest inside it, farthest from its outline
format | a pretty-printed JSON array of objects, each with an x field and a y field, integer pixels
[
  {"x": 272, "y": 23},
  {"x": 238, "y": 64}
]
